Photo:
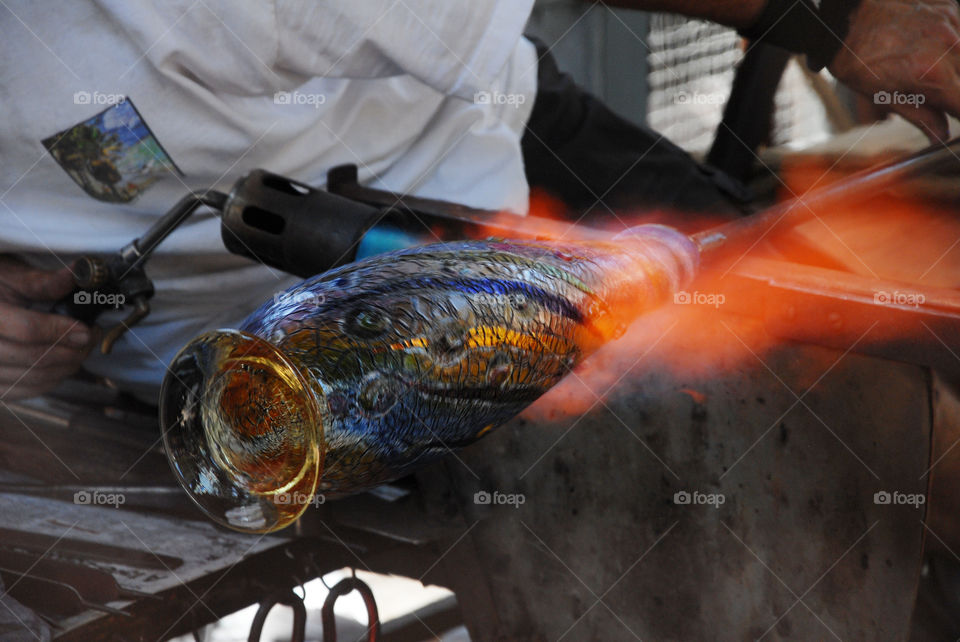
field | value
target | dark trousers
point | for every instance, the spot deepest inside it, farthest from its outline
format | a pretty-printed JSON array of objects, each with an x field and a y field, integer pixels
[{"x": 577, "y": 150}]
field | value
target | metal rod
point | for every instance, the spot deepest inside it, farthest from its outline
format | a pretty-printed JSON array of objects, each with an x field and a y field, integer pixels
[
  {"x": 141, "y": 248},
  {"x": 873, "y": 179}
]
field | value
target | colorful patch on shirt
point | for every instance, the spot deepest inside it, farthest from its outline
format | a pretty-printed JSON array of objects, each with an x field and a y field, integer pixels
[{"x": 113, "y": 156}]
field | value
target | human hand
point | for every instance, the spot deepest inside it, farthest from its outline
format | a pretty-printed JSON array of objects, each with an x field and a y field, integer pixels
[
  {"x": 911, "y": 51},
  {"x": 37, "y": 349}
]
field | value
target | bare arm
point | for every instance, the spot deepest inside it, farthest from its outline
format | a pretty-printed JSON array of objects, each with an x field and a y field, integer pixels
[
  {"x": 903, "y": 53},
  {"x": 909, "y": 53}
]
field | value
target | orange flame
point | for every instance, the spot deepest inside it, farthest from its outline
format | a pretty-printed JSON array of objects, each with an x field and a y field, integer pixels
[{"x": 893, "y": 247}]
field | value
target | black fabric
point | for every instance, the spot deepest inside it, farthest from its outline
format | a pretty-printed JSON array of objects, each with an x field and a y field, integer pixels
[
  {"x": 579, "y": 151},
  {"x": 799, "y": 26}
]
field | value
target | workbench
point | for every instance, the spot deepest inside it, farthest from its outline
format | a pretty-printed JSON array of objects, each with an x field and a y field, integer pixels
[{"x": 63, "y": 465}]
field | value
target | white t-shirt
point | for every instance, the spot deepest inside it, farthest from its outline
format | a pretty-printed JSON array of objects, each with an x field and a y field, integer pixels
[{"x": 428, "y": 97}]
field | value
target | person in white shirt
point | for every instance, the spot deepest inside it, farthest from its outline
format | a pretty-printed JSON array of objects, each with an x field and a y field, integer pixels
[{"x": 114, "y": 109}]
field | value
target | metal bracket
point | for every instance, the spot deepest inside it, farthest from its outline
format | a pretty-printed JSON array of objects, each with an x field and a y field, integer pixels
[{"x": 340, "y": 589}]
